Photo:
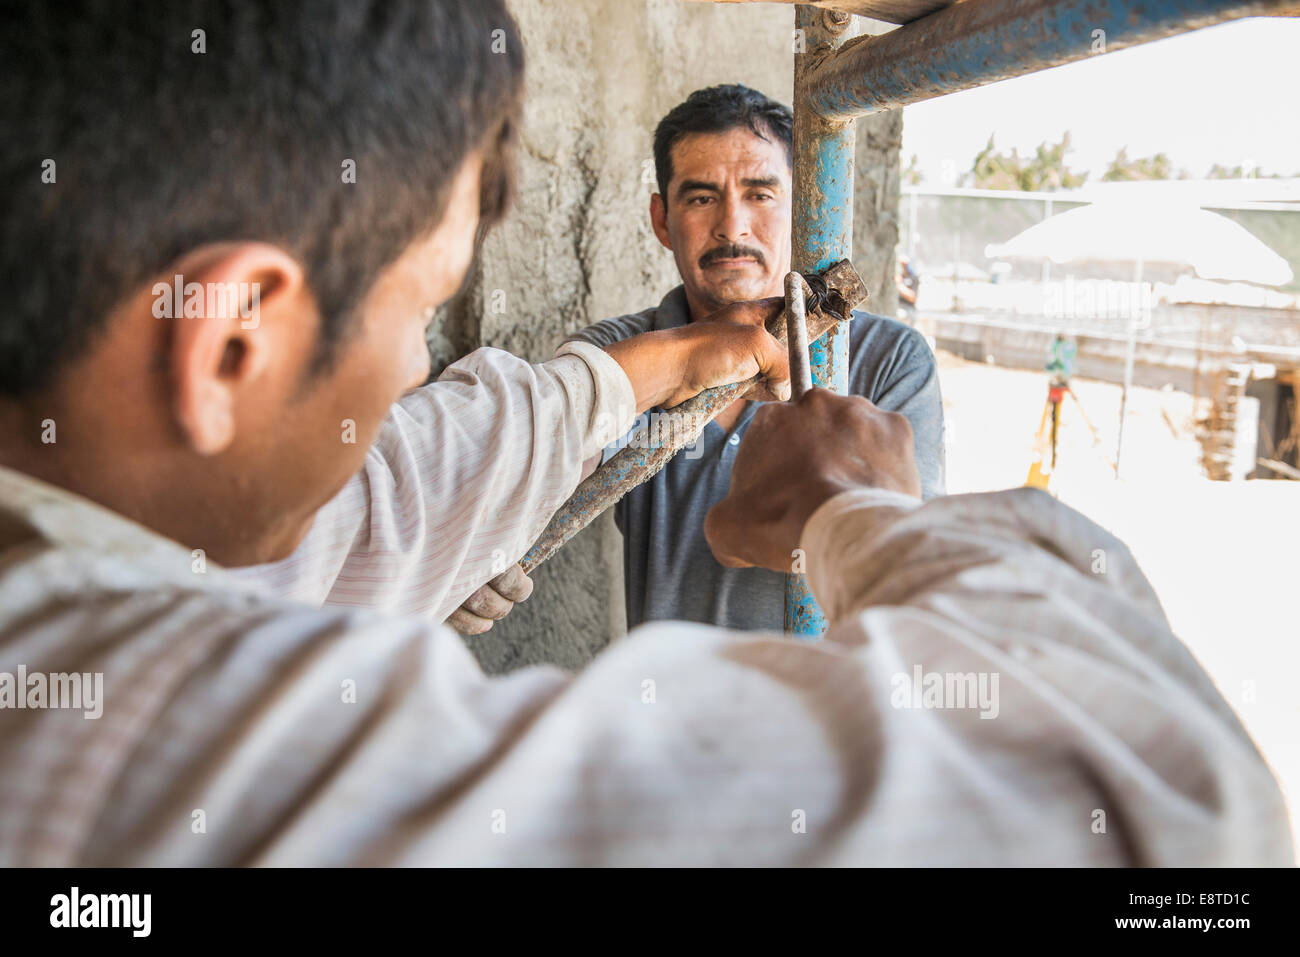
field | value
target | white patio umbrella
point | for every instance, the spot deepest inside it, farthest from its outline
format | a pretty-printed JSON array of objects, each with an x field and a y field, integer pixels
[
  {"x": 1150, "y": 233},
  {"x": 1146, "y": 234}
]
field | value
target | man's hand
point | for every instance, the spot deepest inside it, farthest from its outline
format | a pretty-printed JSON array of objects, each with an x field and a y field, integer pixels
[
  {"x": 672, "y": 365},
  {"x": 775, "y": 385},
  {"x": 492, "y": 602},
  {"x": 794, "y": 457}
]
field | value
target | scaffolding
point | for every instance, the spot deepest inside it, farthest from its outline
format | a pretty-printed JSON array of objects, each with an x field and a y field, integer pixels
[{"x": 938, "y": 48}]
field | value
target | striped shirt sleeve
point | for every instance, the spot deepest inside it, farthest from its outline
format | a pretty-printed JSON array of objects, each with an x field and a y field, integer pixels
[{"x": 463, "y": 476}]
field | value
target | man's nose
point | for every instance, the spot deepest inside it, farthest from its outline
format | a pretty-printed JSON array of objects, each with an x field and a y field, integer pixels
[{"x": 733, "y": 221}]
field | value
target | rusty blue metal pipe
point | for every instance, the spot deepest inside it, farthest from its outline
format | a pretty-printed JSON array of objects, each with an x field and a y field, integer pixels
[
  {"x": 822, "y": 234},
  {"x": 976, "y": 42}
]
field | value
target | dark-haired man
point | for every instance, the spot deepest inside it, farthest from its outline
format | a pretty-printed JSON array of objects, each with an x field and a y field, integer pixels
[
  {"x": 139, "y": 453},
  {"x": 723, "y": 165}
]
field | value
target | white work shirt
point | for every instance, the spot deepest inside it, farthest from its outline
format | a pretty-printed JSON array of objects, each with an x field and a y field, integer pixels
[{"x": 243, "y": 728}]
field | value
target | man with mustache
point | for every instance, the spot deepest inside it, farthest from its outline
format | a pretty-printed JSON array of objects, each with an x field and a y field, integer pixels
[
  {"x": 310, "y": 710},
  {"x": 723, "y": 164}
]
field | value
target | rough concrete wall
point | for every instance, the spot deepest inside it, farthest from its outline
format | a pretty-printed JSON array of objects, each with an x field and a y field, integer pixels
[
  {"x": 875, "y": 208},
  {"x": 578, "y": 247},
  {"x": 875, "y": 198}
]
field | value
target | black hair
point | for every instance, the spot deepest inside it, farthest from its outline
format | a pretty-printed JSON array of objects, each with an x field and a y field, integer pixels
[
  {"x": 717, "y": 109},
  {"x": 171, "y": 125}
]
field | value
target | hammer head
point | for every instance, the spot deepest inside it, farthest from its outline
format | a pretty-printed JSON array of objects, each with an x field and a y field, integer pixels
[
  {"x": 829, "y": 297},
  {"x": 843, "y": 289}
]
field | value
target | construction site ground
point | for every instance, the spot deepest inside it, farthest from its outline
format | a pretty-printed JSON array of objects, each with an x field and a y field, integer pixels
[{"x": 1222, "y": 556}]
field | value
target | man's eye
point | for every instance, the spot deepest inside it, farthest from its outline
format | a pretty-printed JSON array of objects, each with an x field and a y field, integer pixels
[
  {"x": 762, "y": 197},
  {"x": 699, "y": 200}
]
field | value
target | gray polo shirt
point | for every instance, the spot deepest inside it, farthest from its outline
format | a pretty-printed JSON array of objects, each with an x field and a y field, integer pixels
[{"x": 669, "y": 571}]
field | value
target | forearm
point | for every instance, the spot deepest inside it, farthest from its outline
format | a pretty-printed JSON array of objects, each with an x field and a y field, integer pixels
[
  {"x": 1005, "y": 606},
  {"x": 504, "y": 466},
  {"x": 1010, "y": 563},
  {"x": 653, "y": 363},
  {"x": 875, "y": 546},
  {"x": 464, "y": 474},
  {"x": 1026, "y": 638},
  {"x": 669, "y": 366}
]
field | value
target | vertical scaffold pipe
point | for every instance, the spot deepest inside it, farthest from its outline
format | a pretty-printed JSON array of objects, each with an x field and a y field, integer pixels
[{"x": 822, "y": 236}]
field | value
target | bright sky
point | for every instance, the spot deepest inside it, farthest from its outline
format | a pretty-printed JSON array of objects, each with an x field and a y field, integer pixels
[{"x": 1227, "y": 94}]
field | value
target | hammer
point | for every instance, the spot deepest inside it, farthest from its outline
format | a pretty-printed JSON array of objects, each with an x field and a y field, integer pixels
[{"x": 796, "y": 326}]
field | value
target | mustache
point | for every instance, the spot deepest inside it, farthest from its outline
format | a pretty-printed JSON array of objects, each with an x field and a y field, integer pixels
[{"x": 732, "y": 251}]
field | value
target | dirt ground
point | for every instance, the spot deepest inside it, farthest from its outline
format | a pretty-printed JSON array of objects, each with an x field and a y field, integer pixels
[{"x": 1222, "y": 556}]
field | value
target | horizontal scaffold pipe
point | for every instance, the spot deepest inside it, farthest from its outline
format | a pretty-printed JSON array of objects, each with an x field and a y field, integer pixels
[{"x": 981, "y": 41}]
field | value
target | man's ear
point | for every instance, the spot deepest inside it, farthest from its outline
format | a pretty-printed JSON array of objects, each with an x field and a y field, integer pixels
[
  {"x": 235, "y": 309},
  {"x": 659, "y": 220}
]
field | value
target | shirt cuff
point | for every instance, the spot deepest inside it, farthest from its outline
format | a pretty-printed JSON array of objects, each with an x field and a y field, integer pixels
[
  {"x": 613, "y": 410},
  {"x": 835, "y": 535}
]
